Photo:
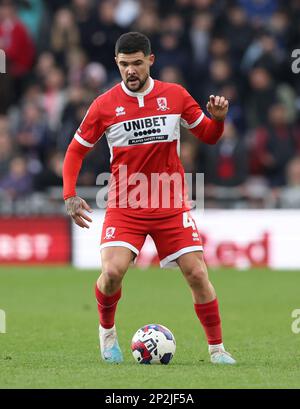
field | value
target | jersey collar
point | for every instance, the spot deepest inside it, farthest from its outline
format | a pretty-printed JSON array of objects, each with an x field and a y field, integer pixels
[{"x": 138, "y": 94}]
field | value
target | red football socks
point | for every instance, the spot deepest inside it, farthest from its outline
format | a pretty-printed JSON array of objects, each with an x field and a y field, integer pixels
[
  {"x": 107, "y": 305},
  {"x": 209, "y": 317}
]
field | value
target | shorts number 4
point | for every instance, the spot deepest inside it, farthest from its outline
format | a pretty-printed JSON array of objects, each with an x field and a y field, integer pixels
[{"x": 188, "y": 221}]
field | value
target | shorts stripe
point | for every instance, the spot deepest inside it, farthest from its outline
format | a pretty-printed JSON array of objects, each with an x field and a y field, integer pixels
[
  {"x": 121, "y": 244},
  {"x": 172, "y": 257}
]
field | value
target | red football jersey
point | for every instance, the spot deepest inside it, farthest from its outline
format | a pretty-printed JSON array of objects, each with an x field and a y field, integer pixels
[{"x": 143, "y": 134}]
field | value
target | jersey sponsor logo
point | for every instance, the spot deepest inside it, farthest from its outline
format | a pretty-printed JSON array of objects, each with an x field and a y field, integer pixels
[
  {"x": 120, "y": 111},
  {"x": 145, "y": 123},
  {"x": 162, "y": 104},
  {"x": 146, "y": 130},
  {"x": 139, "y": 131},
  {"x": 109, "y": 234}
]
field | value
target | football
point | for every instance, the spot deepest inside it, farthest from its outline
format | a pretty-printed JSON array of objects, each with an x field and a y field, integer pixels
[{"x": 153, "y": 344}]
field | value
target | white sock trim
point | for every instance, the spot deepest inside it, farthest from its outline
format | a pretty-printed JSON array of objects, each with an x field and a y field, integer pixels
[
  {"x": 106, "y": 330},
  {"x": 107, "y": 337},
  {"x": 212, "y": 348}
]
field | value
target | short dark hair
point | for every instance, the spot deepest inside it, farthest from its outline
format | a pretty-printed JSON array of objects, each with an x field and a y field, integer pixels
[{"x": 133, "y": 42}]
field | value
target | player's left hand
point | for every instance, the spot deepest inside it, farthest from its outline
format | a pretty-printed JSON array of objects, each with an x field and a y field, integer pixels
[
  {"x": 217, "y": 107},
  {"x": 75, "y": 208}
]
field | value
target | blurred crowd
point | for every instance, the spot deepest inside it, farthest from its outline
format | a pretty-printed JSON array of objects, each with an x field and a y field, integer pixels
[{"x": 60, "y": 56}]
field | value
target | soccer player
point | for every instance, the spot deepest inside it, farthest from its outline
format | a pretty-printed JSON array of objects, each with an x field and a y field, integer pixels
[{"x": 141, "y": 119}]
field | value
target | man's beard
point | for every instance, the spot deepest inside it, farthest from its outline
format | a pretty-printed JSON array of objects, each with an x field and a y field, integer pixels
[{"x": 140, "y": 83}]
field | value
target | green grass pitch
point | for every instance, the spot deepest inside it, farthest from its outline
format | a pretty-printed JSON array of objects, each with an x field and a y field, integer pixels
[{"x": 52, "y": 330}]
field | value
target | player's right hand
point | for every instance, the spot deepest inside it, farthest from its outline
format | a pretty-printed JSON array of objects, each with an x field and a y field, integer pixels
[{"x": 75, "y": 208}]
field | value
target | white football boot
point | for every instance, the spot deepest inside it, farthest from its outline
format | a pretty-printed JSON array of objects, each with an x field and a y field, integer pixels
[
  {"x": 109, "y": 346},
  {"x": 218, "y": 355}
]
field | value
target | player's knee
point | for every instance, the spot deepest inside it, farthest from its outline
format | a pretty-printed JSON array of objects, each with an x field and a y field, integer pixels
[
  {"x": 197, "y": 275},
  {"x": 112, "y": 274}
]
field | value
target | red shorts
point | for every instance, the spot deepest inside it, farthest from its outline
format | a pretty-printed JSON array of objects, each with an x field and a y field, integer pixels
[{"x": 173, "y": 235}]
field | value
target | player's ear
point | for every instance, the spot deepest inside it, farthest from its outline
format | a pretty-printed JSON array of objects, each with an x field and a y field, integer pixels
[{"x": 151, "y": 59}]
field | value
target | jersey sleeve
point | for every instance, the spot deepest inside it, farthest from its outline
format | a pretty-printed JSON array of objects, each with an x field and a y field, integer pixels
[
  {"x": 206, "y": 129},
  {"x": 71, "y": 168},
  {"x": 192, "y": 114},
  {"x": 91, "y": 128},
  {"x": 89, "y": 132}
]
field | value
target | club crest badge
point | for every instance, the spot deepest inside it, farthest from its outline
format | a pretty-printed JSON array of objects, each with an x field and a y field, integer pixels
[
  {"x": 109, "y": 234},
  {"x": 162, "y": 104}
]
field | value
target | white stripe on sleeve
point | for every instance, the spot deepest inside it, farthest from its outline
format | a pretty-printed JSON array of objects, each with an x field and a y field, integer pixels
[
  {"x": 194, "y": 124},
  {"x": 82, "y": 141}
]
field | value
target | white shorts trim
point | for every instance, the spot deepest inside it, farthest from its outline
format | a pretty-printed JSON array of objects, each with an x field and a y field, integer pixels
[
  {"x": 169, "y": 261},
  {"x": 121, "y": 244}
]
